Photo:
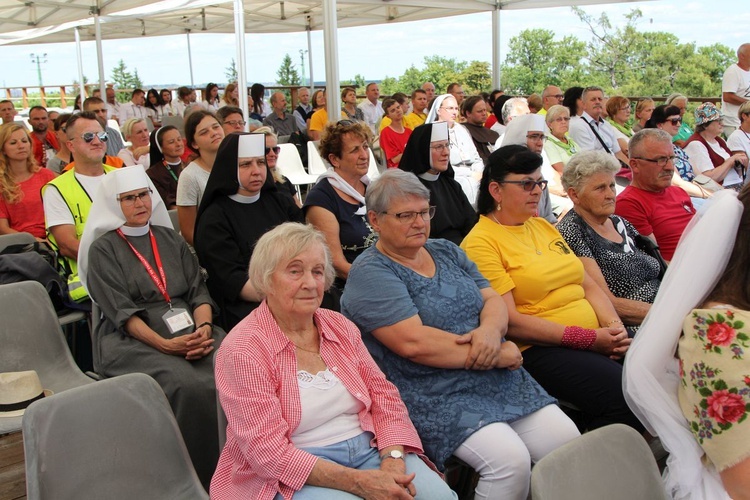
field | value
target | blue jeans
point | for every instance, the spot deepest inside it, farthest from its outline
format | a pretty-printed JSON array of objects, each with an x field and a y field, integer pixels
[{"x": 358, "y": 454}]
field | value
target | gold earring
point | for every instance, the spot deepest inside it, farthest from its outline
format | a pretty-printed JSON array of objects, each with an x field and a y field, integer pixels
[{"x": 499, "y": 207}]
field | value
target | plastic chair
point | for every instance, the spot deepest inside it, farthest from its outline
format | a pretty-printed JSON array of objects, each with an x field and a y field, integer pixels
[
  {"x": 32, "y": 339},
  {"x": 612, "y": 462},
  {"x": 116, "y": 439},
  {"x": 116, "y": 126},
  {"x": 7, "y": 240},
  {"x": 175, "y": 219},
  {"x": 315, "y": 163},
  {"x": 290, "y": 165}
]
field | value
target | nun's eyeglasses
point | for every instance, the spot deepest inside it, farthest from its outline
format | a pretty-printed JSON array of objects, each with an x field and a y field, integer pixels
[{"x": 129, "y": 200}]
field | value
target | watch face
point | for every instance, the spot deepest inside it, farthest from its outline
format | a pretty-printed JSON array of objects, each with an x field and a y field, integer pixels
[{"x": 396, "y": 454}]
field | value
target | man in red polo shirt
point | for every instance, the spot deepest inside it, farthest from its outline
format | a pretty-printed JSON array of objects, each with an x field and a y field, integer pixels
[
  {"x": 655, "y": 207},
  {"x": 44, "y": 143}
]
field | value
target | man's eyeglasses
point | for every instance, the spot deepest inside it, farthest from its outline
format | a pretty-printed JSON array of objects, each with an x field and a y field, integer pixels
[
  {"x": 409, "y": 217},
  {"x": 235, "y": 123},
  {"x": 660, "y": 161},
  {"x": 88, "y": 137},
  {"x": 440, "y": 147},
  {"x": 275, "y": 149},
  {"x": 129, "y": 200},
  {"x": 528, "y": 184}
]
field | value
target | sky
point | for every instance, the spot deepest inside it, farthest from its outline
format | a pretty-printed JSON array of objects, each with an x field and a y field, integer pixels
[{"x": 374, "y": 51}]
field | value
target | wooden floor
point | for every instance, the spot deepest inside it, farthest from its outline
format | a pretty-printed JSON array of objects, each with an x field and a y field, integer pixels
[{"x": 12, "y": 471}]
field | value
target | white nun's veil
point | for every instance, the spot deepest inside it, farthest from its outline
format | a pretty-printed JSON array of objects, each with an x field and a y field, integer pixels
[
  {"x": 432, "y": 115},
  {"x": 515, "y": 132},
  {"x": 105, "y": 214},
  {"x": 651, "y": 377}
]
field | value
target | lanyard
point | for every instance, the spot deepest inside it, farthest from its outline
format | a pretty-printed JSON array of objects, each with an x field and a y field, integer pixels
[
  {"x": 169, "y": 169},
  {"x": 161, "y": 284}
]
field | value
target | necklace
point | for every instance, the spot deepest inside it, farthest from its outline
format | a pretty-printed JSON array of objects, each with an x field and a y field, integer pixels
[
  {"x": 317, "y": 353},
  {"x": 535, "y": 247}
]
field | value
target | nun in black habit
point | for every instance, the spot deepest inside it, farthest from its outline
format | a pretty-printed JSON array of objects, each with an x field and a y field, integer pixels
[
  {"x": 427, "y": 155},
  {"x": 240, "y": 204}
]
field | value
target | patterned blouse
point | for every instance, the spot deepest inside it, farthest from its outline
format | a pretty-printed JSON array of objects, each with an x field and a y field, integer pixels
[{"x": 714, "y": 393}]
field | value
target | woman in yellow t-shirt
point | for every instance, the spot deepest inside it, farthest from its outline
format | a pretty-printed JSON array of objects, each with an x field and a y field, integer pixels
[{"x": 569, "y": 331}]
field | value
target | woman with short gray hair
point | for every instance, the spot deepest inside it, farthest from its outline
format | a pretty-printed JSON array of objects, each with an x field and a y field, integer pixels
[
  {"x": 605, "y": 242},
  {"x": 332, "y": 425},
  {"x": 436, "y": 327}
]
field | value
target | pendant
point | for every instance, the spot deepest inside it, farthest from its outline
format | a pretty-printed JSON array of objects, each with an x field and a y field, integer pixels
[{"x": 539, "y": 252}]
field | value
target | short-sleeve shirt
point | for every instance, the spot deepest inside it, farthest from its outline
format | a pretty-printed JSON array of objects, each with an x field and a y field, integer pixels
[
  {"x": 682, "y": 163},
  {"x": 629, "y": 272},
  {"x": 393, "y": 143},
  {"x": 739, "y": 140},
  {"x": 191, "y": 186},
  {"x": 446, "y": 406},
  {"x": 534, "y": 262},
  {"x": 736, "y": 81},
  {"x": 701, "y": 160},
  {"x": 581, "y": 131},
  {"x": 664, "y": 214},
  {"x": 26, "y": 215},
  {"x": 355, "y": 232},
  {"x": 56, "y": 211},
  {"x": 559, "y": 152},
  {"x": 318, "y": 120}
]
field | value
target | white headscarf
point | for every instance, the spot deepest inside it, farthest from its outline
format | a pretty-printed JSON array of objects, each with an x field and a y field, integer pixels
[
  {"x": 432, "y": 115},
  {"x": 651, "y": 377},
  {"x": 106, "y": 215},
  {"x": 519, "y": 126}
]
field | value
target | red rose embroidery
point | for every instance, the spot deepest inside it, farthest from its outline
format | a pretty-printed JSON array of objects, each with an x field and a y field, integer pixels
[
  {"x": 720, "y": 334},
  {"x": 725, "y": 407}
]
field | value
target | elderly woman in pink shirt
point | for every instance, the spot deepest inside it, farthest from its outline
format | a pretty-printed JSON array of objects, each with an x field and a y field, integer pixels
[{"x": 310, "y": 415}]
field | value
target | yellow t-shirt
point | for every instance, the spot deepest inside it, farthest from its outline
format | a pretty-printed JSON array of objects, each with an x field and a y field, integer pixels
[
  {"x": 414, "y": 119},
  {"x": 387, "y": 121},
  {"x": 318, "y": 120},
  {"x": 546, "y": 286}
]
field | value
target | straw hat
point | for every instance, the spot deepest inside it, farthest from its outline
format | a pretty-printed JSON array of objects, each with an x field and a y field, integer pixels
[{"x": 18, "y": 390}]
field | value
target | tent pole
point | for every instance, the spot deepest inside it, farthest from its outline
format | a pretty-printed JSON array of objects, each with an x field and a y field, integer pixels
[
  {"x": 239, "y": 36},
  {"x": 190, "y": 58},
  {"x": 99, "y": 54},
  {"x": 309, "y": 55},
  {"x": 330, "y": 45},
  {"x": 81, "y": 83},
  {"x": 496, "y": 47}
]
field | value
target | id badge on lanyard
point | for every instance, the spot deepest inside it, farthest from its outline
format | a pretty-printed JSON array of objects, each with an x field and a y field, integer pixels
[{"x": 177, "y": 319}]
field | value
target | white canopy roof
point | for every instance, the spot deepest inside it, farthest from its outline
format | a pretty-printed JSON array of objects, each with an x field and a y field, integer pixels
[{"x": 51, "y": 21}]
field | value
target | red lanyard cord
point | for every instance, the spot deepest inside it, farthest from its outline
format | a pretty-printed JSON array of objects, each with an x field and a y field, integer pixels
[{"x": 161, "y": 284}]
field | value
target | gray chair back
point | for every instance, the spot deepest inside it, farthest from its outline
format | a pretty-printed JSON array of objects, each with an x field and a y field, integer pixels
[
  {"x": 32, "y": 339},
  {"x": 116, "y": 439},
  {"x": 175, "y": 219},
  {"x": 612, "y": 463},
  {"x": 7, "y": 240}
]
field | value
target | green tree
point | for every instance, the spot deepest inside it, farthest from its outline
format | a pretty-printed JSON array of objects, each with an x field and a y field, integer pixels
[
  {"x": 231, "y": 71},
  {"x": 123, "y": 79},
  {"x": 476, "y": 77},
  {"x": 287, "y": 73},
  {"x": 442, "y": 71},
  {"x": 135, "y": 80}
]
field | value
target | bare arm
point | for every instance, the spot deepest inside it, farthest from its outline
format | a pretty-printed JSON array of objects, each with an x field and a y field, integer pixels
[
  {"x": 65, "y": 237},
  {"x": 722, "y": 170},
  {"x": 605, "y": 311},
  {"x": 736, "y": 480},
  {"x": 622, "y": 157},
  {"x": 186, "y": 216},
  {"x": 733, "y": 98},
  {"x": 623, "y": 146},
  {"x": 249, "y": 293},
  {"x": 479, "y": 349},
  {"x": 370, "y": 484},
  {"x": 632, "y": 312},
  {"x": 326, "y": 222},
  {"x": 559, "y": 167},
  {"x": 5, "y": 227},
  {"x": 313, "y": 134}
]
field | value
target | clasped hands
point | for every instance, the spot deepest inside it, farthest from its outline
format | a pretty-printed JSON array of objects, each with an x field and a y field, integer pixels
[
  {"x": 192, "y": 346},
  {"x": 488, "y": 350}
]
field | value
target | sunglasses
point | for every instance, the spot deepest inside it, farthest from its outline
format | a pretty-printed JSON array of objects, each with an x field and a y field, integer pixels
[
  {"x": 275, "y": 149},
  {"x": 675, "y": 121},
  {"x": 528, "y": 184},
  {"x": 88, "y": 137}
]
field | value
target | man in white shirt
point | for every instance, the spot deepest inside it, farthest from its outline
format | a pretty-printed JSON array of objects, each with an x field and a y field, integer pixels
[
  {"x": 590, "y": 131},
  {"x": 735, "y": 89},
  {"x": 136, "y": 108},
  {"x": 303, "y": 109},
  {"x": 67, "y": 198},
  {"x": 372, "y": 108},
  {"x": 185, "y": 98},
  {"x": 113, "y": 107}
]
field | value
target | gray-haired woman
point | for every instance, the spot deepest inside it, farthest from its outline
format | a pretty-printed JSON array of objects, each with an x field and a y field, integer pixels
[
  {"x": 436, "y": 327},
  {"x": 604, "y": 242},
  {"x": 309, "y": 413}
]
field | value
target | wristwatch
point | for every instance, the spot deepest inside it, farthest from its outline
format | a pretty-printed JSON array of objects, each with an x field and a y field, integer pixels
[{"x": 398, "y": 455}]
